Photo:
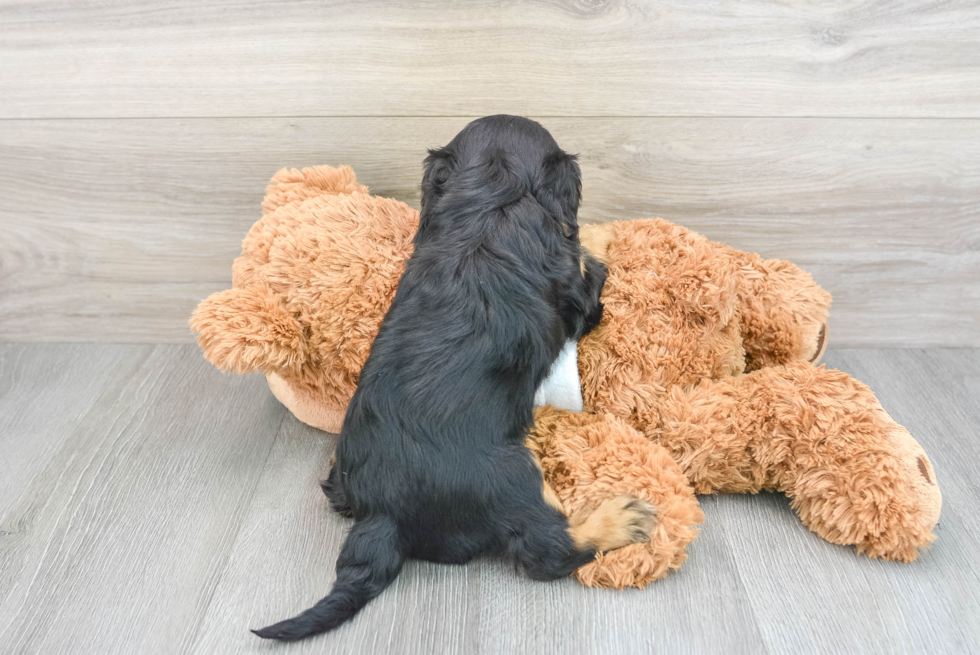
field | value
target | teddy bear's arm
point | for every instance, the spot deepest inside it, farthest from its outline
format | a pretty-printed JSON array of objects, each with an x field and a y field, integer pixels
[
  {"x": 854, "y": 475},
  {"x": 243, "y": 330},
  {"x": 783, "y": 313}
]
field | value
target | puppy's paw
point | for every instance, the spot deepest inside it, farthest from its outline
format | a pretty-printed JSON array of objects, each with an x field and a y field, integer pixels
[{"x": 617, "y": 522}]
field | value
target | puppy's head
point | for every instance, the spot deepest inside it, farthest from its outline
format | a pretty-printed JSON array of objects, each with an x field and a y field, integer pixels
[
  {"x": 498, "y": 161},
  {"x": 504, "y": 179}
]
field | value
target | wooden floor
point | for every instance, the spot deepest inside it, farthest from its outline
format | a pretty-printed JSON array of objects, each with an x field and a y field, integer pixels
[{"x": 150, "y": 504}]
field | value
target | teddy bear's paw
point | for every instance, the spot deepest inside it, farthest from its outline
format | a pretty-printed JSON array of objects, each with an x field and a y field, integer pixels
[
  {"x": 617, "y": 522},
  {"x": 922, "y": 506},
  {"x": 783, "y": 312},
  {"x": 886, "y": 505},
  {"x": 823, "y": 337}
]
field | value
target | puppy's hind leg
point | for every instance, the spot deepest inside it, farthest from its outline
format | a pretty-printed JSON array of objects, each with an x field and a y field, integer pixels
[
  {"x": 617, "y": 522},
  {"x": 335, "y": 493},
  {"x": 543, "y": 547},
  {"x": 548, "y": 545},
  {"x": 549, "y": 495}
]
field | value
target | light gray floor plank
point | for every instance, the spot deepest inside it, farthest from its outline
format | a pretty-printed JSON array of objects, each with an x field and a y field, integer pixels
[
  {"x": 142, "y": 497},
  {"x": 114, "y": 230},
  {"x": 284, "y": 560},
  {"x": 810, "y": 596},
  {"x": 703, "y": 608},
  {"x": 425, "y": 57},
  {"x": 168, "y": 508},
  {"x": 45, "y": 391}
]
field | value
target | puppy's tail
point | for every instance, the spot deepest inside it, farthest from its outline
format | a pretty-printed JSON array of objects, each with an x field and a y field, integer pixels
[{"x": 371, "y": 558}]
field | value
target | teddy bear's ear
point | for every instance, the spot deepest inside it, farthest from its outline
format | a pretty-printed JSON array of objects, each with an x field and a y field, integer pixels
[
  {"x": 249, "y": 329},
  {"x": 558, "y": 189},
  {"x": 292, "y": 185}
]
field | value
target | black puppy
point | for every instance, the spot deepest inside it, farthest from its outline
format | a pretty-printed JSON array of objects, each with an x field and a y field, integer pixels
[{"x": 431, "y": 460}]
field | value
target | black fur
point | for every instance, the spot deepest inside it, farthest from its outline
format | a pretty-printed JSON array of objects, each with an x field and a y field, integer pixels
[{"x": 431, "y": 460}]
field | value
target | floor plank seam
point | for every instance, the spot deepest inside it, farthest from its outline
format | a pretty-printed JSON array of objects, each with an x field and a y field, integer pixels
[
  {"x": 193, "y": 639},
  {"x": 756, "y": 619},
  {"x": 70, "y": 512}
]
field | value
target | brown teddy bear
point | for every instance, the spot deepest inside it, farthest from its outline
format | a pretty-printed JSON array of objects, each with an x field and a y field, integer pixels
[{"x": 700, "y": 378}]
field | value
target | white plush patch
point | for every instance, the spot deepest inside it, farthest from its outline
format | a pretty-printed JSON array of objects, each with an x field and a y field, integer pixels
[{"x": 562, "y": 388}]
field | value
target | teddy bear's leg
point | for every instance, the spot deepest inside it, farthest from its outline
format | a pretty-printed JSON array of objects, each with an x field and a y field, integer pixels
[
  {"x": 854, "y": 475},
  {"x": 783, "y": 313},
  {"x": 249, "y": 329},
  {"x": 589, "y": 459}
]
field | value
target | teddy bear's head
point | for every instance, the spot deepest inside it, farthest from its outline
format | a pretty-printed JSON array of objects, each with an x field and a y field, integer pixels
[{"x": 314, "y": 279}]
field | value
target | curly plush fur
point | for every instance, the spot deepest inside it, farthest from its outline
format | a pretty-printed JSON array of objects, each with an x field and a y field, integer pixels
[
  {"x": 668, "y": 358},
  {"x": 699, "y": 377}
]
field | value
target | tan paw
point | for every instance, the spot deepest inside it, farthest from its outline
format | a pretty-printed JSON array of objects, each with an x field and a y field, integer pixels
[
  {"x": 596, "y": 239},
  {"x": 617, "y": 522}
]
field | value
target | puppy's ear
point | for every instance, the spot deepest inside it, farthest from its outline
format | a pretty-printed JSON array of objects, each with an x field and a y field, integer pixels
[
  {"x": 436, "y": 170},
  {"x": 593, "y": 282},
  {"x": 581, "y": 307},
  {"x": 559, "y": 188}
]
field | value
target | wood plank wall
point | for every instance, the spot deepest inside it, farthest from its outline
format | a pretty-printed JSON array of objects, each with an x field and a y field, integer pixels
[{"x": 136, "y": 138}]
